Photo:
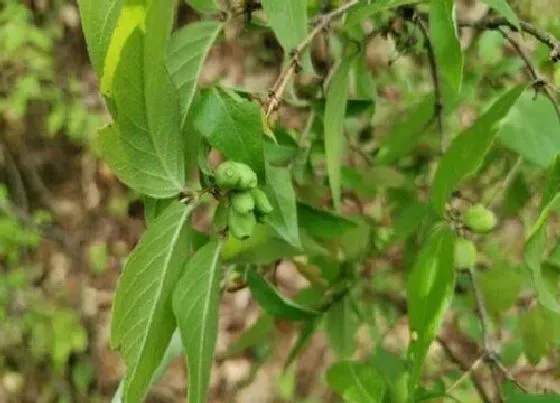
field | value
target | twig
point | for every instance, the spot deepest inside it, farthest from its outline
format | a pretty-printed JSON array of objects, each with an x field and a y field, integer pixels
[
  {"x": 464, "y": 365},
  {"x": 482, "y": 311},
  {"x": 542, "y": 36},
  {"x": 438, "y": 103},
  {"x": 539, "y": 82},
  {"x": 277, "y": 91},
  {"x": 466, "y": 374},
  {"x": 498, "y": 194}
]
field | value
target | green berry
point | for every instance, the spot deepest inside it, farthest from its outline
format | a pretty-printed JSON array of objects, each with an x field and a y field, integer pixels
[
  {"x": 247, "y": 178},
  {"x": 479, "y": 219},
  {"x": 241, "y": 226},
  {"x": 262, "y": 204},
  {"x": 464, "y": 254},
  {"x": 242, "y": 202},
  {"x": 228, "y": 175}
]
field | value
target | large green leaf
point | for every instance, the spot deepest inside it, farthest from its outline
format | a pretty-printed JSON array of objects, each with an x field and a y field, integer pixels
[
  {"x": 147, "y": 105},
  {"x": 467, "y": 150},
  {"x": 539, "y": 329},
  {"x": 341, "y": 326},
  {"x": 356, "y": 382},
  {"x": 503, "y": 8},
  {"x": 142, "y": 321},
  {"x": 531, "y": 129},
  {"x": 234, "y": 126},
  {"x": 196, "y": 301},
  {"x": 447, "y": 48},
  {"x": 288, "y": 19},
  {"x": 281, "y": 194},
  {"x": 322, "y": 224},
  {"x": 335, "y": 109},
  {"x": 536, "y": 243},
  {"x": 99, "y": 19},
  {"x": 144, "y": 178},
  {"x": 186, "y": 53},
  {"x": 430, "y": 287},
  {"x": 273, "y": 303},
  {"x": 204, "y": 6}
]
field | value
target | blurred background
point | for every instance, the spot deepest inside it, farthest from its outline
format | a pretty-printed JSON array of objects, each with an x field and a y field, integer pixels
[{"x": 66, "y": 223}]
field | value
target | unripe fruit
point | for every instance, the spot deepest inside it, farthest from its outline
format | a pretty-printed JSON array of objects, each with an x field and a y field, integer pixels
[
  {"x": 227, "y": 175},
  {"x": 241, "y": 226},
  {"x": 464, "y": 254},
  {"x": 479, "y": 219},
  {"x": 242, "y": 202},
  {"x": 247, "y": 178},
  {"x": 262, "y": 204}
]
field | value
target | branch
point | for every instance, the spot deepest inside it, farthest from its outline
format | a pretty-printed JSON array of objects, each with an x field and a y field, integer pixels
[
  {"x": 277, "y": 91},
  {"x": 539, "y": 83},
  {"x": 497, "y": 22},
  {"x": 438, "y": 103}
]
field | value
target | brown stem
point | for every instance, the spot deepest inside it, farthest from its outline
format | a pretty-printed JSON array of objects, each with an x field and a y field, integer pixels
[
  {"x": 277, "y": 91},
  {"x": 438, "y": 103}
]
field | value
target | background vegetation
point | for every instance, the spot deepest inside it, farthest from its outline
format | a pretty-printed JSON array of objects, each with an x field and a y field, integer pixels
[{"x": 67, "y": 223}]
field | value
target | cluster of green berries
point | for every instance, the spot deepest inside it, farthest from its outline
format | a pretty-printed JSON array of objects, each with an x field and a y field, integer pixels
[
  {"x": 478, "y": 219},
  {"x": 245, "y": 204}
]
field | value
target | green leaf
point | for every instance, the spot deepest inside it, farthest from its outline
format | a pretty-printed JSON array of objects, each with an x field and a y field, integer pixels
[
  {"x": 467, "y": 150},
  {"x": 142, "y": 322},
  {"x": 341, "y": 326},
  {"x": 99, "y": 19},
  {"x": 196, "y": 301},
  {"x": 430, "y": 287},
  {"x": 322, "y": 224},
  {"x": 405, "y": 134},
  {"x": 500, "y": 288},
  {"x": 358, "y": 14},
  {"x": 536, "y": 242},
  {"x": 505, "y": 10},
  {"x": 147, "y": 106},
  {"x": 186, "y": 53},
  {"x": 234, "y": 127},
  {"x": 446, "y": 44},
  {"x": 280, "y": 192},
  {"x": 154, "y": 207},
  {"x": 539, "y": 331},
  {"x": 514, "y": 395},
  {"x": 356, "y": 382},
  {"x": 273, "y": 303},
  {"x": 144, "y": 178},
  {"x": 335, "y": 108},
  {"x": 531, "y": 129},
  {"x": 307, "y": 331},
  {"x": 288, "y": 19},
  {"x": 204, "y": 6}
]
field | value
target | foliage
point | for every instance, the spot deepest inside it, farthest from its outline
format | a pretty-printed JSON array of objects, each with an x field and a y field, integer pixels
[{"x": 434, "y": 183}]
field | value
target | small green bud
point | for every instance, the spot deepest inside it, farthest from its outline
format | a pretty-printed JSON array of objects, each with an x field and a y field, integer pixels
[
  {"x": 479, "y": 219},
  {"x": 227, "y": 175},
  {"x": 464, "y": 253},
  {"x": 241, "y": 226},
  {"x": 247, "y": 178},
  {"x": 262, "y": 204},
  {"x": 242, "y": 202}
]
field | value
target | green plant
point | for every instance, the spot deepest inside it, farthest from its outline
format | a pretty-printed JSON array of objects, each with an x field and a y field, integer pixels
[{"x": 421, "y": 193}]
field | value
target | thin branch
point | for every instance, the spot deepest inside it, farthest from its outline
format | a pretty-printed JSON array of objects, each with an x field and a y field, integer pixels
[
  {"x": 542, "y": 36},
  {"x": 482, "y": 311},
  {"x": 539, "y": 82},
  {"x": 466, "y": 374},
  {"x": 277, "y": 91},
  {"x": 438, "y": 103},
  {"x": 498, "y": 194}
]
